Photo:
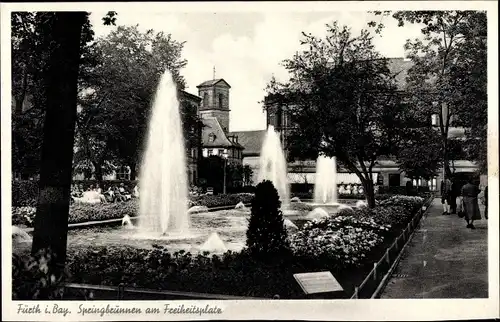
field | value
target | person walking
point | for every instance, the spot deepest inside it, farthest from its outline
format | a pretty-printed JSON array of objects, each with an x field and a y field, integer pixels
[
  {"x": 469, "y": 193},
  {"x": 485, "y": 202},
  {"x": 454, "y": 193},
  {"x": 446, "y": 195}
]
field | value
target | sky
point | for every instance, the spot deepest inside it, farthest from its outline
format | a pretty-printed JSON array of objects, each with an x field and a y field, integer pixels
[{"x": 247, "y": 48}]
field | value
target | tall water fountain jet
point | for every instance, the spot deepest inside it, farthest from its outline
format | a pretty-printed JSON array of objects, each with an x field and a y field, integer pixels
[
  {"x": 273, "y": 166},
  {"x": 163, "y": 177},
  {"x": 325, "y": 187}
]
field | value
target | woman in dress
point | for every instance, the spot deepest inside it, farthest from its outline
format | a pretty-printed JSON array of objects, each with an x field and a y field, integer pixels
[
  {"x": 485, "y": 202},
  {"x": 470, "y": 203},
  {"x": 446, "y": 196}
]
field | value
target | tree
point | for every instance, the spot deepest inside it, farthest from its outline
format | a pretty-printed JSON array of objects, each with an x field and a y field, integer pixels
[
  {"x": 59, "y": 86},
  {"x": 448, "y": 77},
  {"x": 234, "y": 175},
  {"x": 60, "y": 80},
  {"x": 212, "y": 172},
  {"x": 419, "y": 154},
  {"x": 247, "y": 175},
  {"x": 191, "y": 125},
  {"x": 30, "y": 47},
  {"x": 122, "y": 86},
  {"x": 343, "y": 102}
]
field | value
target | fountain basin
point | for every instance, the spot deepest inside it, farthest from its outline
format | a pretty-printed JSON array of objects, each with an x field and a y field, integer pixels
[{"x": 329, "y": 207}]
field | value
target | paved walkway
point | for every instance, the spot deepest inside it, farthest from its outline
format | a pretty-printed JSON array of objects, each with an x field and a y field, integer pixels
[{"x": 443, "y": 260}]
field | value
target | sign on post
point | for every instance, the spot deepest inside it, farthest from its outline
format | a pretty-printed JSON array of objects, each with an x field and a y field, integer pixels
[{"x": 318, "y": 282}]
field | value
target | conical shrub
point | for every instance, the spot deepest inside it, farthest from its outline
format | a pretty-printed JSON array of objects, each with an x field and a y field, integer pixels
[{"x": 266, "y": 234}]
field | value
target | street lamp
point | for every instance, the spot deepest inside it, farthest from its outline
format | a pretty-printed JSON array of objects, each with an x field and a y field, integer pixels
[{"x": 224, "y": 156}]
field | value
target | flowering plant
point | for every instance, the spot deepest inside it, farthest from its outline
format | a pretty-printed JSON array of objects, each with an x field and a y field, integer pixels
[
  {"x": 410, "y": 203},
  {"x": 23, "y": 216},
  {"x": 345, "y": 240}
]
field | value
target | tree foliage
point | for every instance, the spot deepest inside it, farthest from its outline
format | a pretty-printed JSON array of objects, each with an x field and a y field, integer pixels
[
  {"x": 449, "y": 68},
  {"x": 343, "y": 100},
  {"x": 120, "y": 91},
  {"x": 419, "y": 155},
  {"x": 212, "y": 173},
  {"x": 31, "y": 44},
  {"x": 266, "y": 234}
]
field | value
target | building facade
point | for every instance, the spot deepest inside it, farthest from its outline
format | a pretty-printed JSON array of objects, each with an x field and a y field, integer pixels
[{"x": 386, "y": 171}]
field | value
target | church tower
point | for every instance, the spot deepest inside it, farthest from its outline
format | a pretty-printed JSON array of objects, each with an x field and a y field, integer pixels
[{"x": 215, "y": 101}]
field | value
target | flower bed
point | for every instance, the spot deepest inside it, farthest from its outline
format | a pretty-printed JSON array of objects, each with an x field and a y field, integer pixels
[
  {"x": 347, "y": 245},
  {"x": 24, "y": 216},
  {"x": 344, "y": 240}
]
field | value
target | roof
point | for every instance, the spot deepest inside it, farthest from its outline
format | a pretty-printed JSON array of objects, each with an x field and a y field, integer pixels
[
  {"x": 186, "y": 95},
  {"x": 251, "y": 141},
  {"x": 213, "y": 82},
  {"x": 213, "y": 127}
]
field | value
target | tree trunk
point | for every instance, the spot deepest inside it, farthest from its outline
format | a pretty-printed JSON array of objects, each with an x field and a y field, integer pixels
[
  {"x": 60, "y": 91},
  {"x": 87, "y": 174},
  {"x": 98, "y": 171},
  {"x": 133, "y": 171},
  {"x": 369, "y": 192},
  {"x": 19, "y": 99}
]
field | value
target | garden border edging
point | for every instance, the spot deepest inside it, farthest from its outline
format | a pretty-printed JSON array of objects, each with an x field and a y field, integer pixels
[
  {"x": 410, "y": 229},
  {"x": 87, "y": 224}
]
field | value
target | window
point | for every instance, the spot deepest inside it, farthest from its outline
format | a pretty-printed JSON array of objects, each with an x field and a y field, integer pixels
[
  {"x": 210, "y": 152},
  {"x": 433, "y": 184},
  {"x": 211, "y": 137},
  {"x": 221, "y": 101},
  {"x": 205, "y": 100},
  {"x": 221, "y": 152}
]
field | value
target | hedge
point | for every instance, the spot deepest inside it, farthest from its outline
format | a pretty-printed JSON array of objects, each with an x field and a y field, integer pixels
[
  {"x": 25, "y": 192},
  {"x": 79, "y": 212}
]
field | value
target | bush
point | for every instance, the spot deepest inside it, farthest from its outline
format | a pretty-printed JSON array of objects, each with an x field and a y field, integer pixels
[
  {"x": 24, "y": 193},
  {"x": 23, "y": 216},
  {"x": 221, "y": 200},
  {"x": 93, "y": 212},
  {"x": 393, "y": 216},
  {"x": 82, "y": 212},
  {"x": 350, "y": 237},
  {"x": 409, "y": 203},
  {"x": 266, "y": 234},
  {"x": 344, "y": 241},
  {"x": 32, "y": 278},
  {"x": 231, "y": 274}
]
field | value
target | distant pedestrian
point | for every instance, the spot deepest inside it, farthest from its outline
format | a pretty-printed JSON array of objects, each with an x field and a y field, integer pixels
[
  {"x": 446, "y": 195},
  {"x": 470, "y": 191},
  {"x": 485, "y": 202},
  {"x": 454, "y": 193},
  {"x": 409, "y": 188}
]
